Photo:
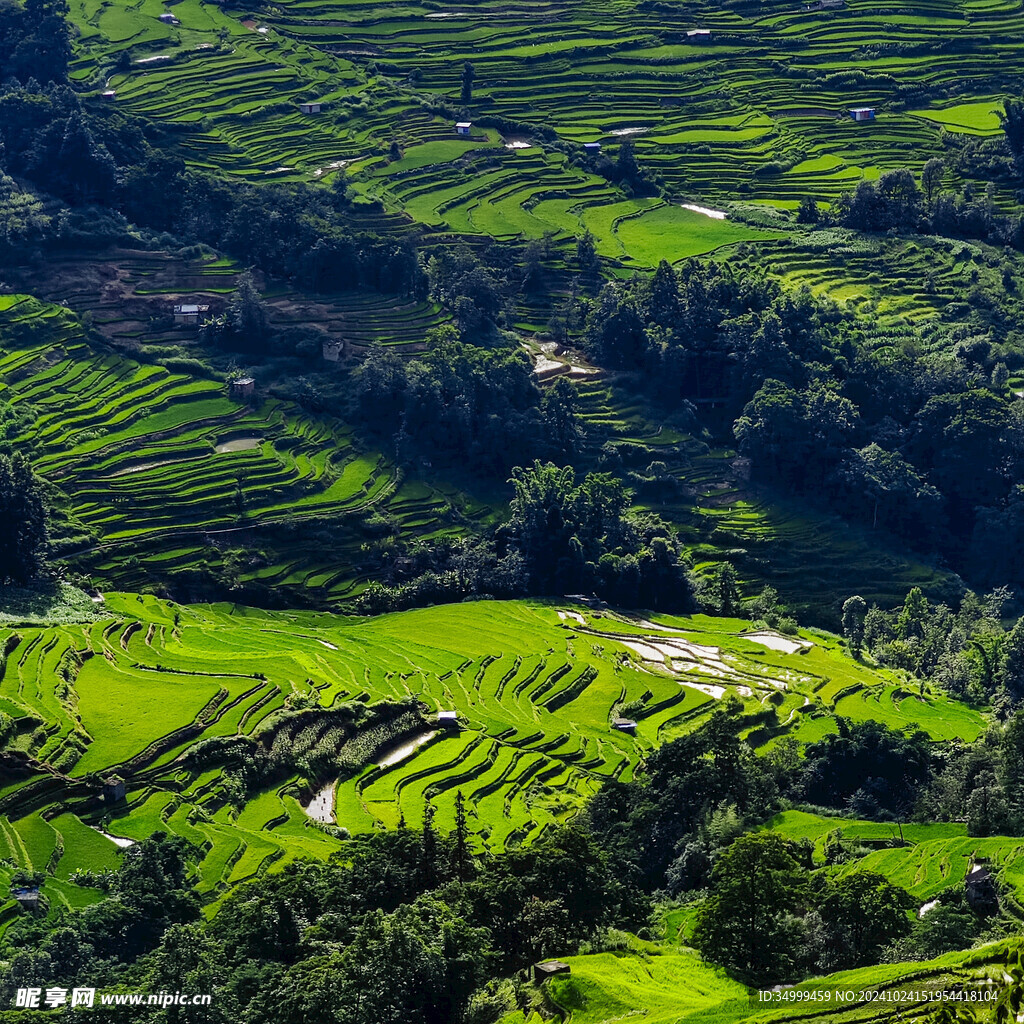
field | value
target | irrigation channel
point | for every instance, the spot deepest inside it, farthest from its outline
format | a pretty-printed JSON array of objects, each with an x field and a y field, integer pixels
[{"x": 321, "y": 807}]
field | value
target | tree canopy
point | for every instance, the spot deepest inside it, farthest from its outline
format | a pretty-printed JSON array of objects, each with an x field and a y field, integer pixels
[
  {"x": 581, "y": 537},
  {"x": 23, "y": 512}
]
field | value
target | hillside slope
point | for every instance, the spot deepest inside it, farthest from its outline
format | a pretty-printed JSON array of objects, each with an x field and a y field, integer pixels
[{"x": 161, "y": 694}]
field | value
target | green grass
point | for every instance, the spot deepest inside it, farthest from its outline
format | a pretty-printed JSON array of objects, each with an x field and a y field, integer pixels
[
  {"x": 84, "y": 848},
  {"x": 972, "y": 118},
  {"x": 129, "y": 709},
  {"x": 666, "y": 987},
  {"x": 672, "y": 233}
]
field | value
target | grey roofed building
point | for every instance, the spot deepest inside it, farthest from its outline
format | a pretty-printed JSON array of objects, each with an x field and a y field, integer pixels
[
  {"x": 980, "y": 889},
  {"x": 244, "y": 387},
  {"x": 27, "y": 896},
  {"x": 113, "y": 790},
  {"x": 188, "y": 313},
  {"x": 548, "y": 969}
]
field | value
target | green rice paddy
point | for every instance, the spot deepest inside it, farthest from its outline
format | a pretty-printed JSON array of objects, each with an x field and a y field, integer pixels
[
  {"x": 670, "y": 984},
  {"x": 165, "y": 469},
  {"x": 922, "y": 858},
  {"x": 757, "y": 114},
  {"x": 535, "y": 686},
  {"x": 968, "y": 118}
]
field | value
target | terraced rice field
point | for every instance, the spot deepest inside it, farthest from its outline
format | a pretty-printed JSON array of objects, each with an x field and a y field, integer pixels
[
  {"x": 813, "y": 559},
  {"x": 756, "y": 114},
  {"x": 168, "y": 475},
  {"x": 901, "y": 288},
  {"x": 668, "y": 984},
  {"x": 534, "y": 685},
  {"x": 935, "y": 856},
  {"x": 130, "y": 296},
  {"x": 164, "y": 470}
]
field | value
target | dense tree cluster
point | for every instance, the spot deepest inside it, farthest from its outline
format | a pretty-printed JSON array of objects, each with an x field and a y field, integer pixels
[
  {"x": 562, "y": 536},
  {"x": 24, "y": 223},
  {"x": 623, "y": 170},
  {"x": 24, "y": 517},
  {"x": 866, "y": 768},
  {"x": 15, "y": 422},
  {"x": 442, "y": 571},
  {"x": 704, "y": 331},
  {"x": 400, "y": 926},
  {"x": 969, "y": 652},
  {"x": 35, "y": 44},
  {"x": 896, "y": 202},
  {"x": 769, "y": 919},
  {"x": 49, "y": 139},
  {"x": 928, "y": 447},
  {"x": 467, "y": 287},
  {"x": 935, "y": 468},
  {"x": 581, "y": 537},
  {"x": 479, "y": 407},
  {"x": 663, "y": 825}
]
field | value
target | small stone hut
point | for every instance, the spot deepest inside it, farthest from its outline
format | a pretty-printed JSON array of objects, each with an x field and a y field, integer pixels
[
  {"x": 548, "y": 969},
  {"x": 244, "y": 387}
]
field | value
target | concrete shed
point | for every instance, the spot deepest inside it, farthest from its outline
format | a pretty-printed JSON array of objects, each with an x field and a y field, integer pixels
[
  {"x": 549, "y": 969},
  {"x": 113, "y": 790},
  {"x": 188, "y": 314}
]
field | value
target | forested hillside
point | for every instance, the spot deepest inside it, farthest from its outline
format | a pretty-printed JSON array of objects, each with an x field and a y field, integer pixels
[{"x": 512, "y": 513}]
